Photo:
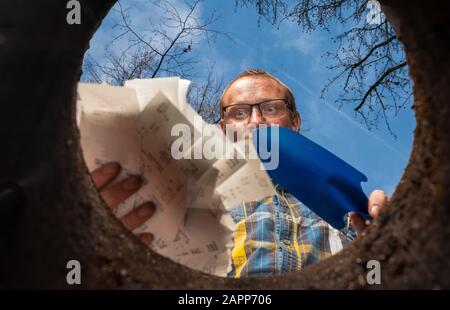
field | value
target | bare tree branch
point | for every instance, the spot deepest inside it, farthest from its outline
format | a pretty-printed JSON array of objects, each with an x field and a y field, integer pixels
[
  {"x": 363, "y": 51},
  {"x": 164, "y": 47},
  {"x": 378, "y": 82}
]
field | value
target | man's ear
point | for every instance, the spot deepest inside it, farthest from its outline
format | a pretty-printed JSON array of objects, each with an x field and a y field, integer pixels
[
  {"x": 222, "y": 125},
  {"x": 296, "y": 121}
]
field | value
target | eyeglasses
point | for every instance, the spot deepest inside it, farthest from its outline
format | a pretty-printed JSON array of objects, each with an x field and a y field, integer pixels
[{"x": 270, "y": 109}]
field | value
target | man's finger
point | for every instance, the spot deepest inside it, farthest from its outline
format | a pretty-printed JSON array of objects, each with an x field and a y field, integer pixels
[
  {"x": 115, "y": 194},
  {"x": 377, "y": 200},
  {"x": 357, "y": 222},
  {"x": 138, "y": 216},
  {"x": 147, "y": 238},
  {"x": 105, "y": 174}
]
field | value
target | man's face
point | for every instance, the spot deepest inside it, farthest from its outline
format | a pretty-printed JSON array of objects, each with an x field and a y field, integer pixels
[{"x": 256, "y": 89}]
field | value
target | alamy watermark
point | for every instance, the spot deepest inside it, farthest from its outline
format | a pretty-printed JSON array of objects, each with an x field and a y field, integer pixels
[
  {"x": 74, "y": 274},
  {"x": 210, "y": 143},
  {"x": 374, "y": 16},
  {"x": 374, "y": 274},
  {"x": 73, "y": 17}
]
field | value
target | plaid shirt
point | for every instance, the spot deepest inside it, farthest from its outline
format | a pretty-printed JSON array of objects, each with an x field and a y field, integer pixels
[{"x": 280, "y": 234}]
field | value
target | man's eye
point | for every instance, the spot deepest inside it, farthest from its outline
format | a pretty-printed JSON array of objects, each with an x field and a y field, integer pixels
[
  {"x": 270, "y": 109},
  {"x": 240, "y": 113}
]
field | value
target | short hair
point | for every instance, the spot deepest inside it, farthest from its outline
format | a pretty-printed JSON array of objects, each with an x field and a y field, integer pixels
[{"x": 262, "y": 73}]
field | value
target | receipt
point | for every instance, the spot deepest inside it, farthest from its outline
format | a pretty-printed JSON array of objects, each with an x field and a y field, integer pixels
[{"x": 133, "y": 125}]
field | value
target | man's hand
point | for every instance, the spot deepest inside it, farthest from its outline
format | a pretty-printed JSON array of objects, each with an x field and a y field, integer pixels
[
  {"x": 377, "y": 200},
  {"x": 115, "y": 194}
]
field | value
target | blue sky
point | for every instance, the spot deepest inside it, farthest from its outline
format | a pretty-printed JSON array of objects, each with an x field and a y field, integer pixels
[{"x": 296, "y": 58}]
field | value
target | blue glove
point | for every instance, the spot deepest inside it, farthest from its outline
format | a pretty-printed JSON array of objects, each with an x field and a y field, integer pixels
[{"x": 322, "y": 181}]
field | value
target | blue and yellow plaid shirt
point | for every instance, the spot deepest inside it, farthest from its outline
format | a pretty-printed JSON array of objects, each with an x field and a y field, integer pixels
[{"x": 280, "y": 234}]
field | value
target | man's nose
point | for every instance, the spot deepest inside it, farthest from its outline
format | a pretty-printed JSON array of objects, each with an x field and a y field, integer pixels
[{"x": 256, "y": 118}]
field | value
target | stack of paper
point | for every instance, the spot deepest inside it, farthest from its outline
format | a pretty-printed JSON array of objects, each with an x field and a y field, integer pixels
[{"x": 133, "y": 125}]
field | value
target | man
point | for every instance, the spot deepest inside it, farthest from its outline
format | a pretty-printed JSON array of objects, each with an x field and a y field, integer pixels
[{"x": 274, "y": 235}]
